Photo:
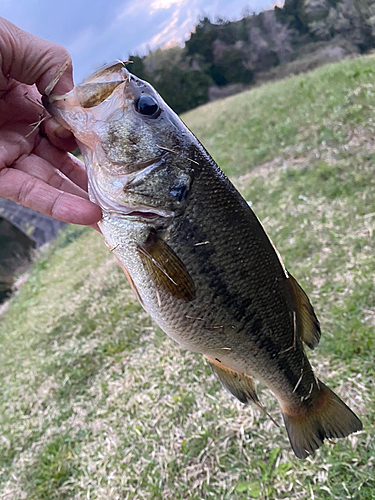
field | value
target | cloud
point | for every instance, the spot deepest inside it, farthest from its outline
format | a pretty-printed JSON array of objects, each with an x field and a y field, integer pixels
[
  {"x": 164, "y": 4},
  {"x": 168, "y": 32},
  {"x": 184, "y": 15},
  {"x": 129, "y": 9}
]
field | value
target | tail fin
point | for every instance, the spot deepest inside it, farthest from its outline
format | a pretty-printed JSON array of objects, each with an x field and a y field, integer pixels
[{"x": 329, "y": 417}]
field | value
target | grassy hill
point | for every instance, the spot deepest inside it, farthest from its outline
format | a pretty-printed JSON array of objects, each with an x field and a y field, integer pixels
[{"x": 97, "y": 403}]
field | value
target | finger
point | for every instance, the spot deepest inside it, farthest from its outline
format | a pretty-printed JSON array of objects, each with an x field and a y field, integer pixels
[
  {"x": 67, "y": 163},
  {"x": 16, "y": 140},
  {"x": 96, "y": 227},
  {"x": 41, "y": 169},
  {"x": 58, "y": 135},
  {"x": 30, "y": 59},
  {"x": 36, "y": 194}
]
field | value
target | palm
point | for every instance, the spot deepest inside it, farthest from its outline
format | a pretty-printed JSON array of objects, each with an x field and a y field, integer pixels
[{"x": 17, "y": 113}]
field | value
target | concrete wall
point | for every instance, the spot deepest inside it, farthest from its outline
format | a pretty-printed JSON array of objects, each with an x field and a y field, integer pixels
[{"x": 21, "y": 231}]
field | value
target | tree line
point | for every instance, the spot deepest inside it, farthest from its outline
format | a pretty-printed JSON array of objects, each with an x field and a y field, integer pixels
[{"x": 223, "y": 52}]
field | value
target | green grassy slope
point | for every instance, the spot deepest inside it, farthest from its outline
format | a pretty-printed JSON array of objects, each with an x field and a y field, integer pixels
[{"x": 97, "y": 403}]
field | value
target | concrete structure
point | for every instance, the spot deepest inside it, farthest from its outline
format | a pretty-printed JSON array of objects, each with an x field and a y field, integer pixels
[{"x": 21, "y": 231}]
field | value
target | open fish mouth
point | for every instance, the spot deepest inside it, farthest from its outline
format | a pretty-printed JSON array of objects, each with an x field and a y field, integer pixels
[{"x": 138, "y": 213}]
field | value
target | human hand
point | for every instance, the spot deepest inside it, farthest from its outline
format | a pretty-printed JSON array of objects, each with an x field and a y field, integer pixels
[{"x": 35, "y": 168}]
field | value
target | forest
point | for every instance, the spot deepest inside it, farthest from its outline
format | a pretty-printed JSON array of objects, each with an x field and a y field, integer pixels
[{"x": 225, "y": 57}]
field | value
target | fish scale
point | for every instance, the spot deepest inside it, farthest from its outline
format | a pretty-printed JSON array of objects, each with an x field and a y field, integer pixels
[{"x": 196, "y": 255}]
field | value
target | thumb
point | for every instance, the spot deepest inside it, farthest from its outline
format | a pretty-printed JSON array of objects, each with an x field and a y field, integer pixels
[{"x": 30, "y": 59}]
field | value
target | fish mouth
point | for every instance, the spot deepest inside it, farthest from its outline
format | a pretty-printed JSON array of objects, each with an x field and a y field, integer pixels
[
  {"x": 139, "y": 214},
  {"x": 145, "y": 214}
]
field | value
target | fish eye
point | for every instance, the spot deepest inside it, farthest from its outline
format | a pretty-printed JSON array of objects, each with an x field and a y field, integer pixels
[{"x": 147, "y": 105}]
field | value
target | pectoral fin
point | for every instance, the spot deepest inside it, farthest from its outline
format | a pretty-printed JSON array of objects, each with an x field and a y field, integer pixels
[
  {"x": 166, "y": 269},
  {"x": 310, "y": 332}
]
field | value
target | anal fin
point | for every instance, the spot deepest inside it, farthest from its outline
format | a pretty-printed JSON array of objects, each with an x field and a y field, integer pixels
[{"x": 240, "y": 385}]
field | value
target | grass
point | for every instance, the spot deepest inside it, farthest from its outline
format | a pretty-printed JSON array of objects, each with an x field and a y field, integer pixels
[{"x": 97, "y": 403}]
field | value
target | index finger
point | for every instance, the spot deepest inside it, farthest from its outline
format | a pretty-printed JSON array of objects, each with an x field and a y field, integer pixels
[
  {"x": 33, "y": 193},
  {"x": 67, "y": 163},
  {"x": 30, "y": 59}
]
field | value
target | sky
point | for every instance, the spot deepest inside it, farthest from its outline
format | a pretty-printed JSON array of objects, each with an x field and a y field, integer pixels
[{"x": 96, "y": 32}]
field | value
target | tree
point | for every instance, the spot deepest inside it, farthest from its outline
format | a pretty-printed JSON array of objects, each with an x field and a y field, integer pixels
[
  {"x": 137, "y": 67},
  {"x": 183, "y": 90},
  {"x": 201, "y": 40}
]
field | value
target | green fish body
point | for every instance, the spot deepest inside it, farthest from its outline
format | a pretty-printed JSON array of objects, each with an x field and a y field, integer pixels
[{"x": 196, "y": 255}]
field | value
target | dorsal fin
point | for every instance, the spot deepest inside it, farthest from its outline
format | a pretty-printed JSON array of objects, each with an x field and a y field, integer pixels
[
  {"x": 310, "y": 328},
  {"x": 240, "y": 385}
]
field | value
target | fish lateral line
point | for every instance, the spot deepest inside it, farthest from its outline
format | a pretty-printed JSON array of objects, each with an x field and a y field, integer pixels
[{"x": 214, "y": 327}]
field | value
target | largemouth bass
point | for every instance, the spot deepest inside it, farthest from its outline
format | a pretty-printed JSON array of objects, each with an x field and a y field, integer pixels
[{"x": 195, "y": 254}]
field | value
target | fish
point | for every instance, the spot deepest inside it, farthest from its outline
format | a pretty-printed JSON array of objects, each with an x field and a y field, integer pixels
[{"x": 195, "y": 254}]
